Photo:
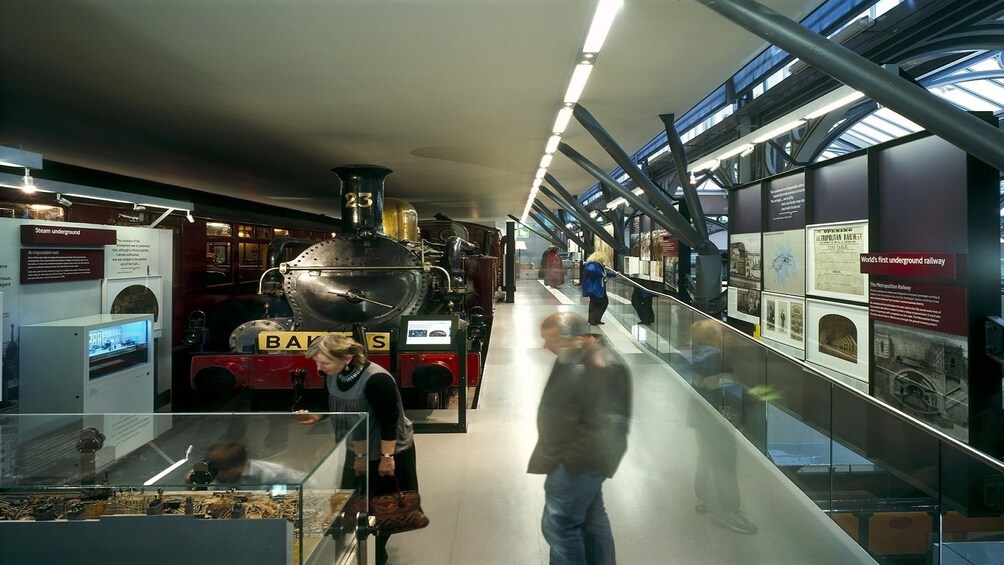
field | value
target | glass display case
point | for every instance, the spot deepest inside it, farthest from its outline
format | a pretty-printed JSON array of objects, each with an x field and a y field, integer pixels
[
  {"x": 239, "y": 488},
  {"x": 88, "y": 364}
]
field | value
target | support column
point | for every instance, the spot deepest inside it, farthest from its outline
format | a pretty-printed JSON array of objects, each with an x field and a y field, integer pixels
[{"x": 510, "y": 262}]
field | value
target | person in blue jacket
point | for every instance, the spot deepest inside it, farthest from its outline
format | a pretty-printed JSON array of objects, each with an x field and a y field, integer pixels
[{"x": 594, "y": 283}]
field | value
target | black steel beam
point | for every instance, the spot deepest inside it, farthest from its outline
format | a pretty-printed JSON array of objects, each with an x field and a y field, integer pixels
[
  {"x": 550, "y": 238},
  {"x": 940, "y": 117},
  {"x": 509, "y": 266},
  {"x": 664, "y": 207},
  {"x": 557, "y": 223},
  {"x": 675, "y": 224},
  {"x": 679, "y": 155},
  {"x": 572, "y": 206}
]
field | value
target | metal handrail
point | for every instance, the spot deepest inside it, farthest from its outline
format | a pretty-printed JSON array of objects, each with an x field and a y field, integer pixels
[{"x": 938, "y": 434}]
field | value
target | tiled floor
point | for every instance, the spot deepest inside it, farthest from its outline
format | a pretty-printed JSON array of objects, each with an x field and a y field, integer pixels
[{"x": 485, "y": 508}]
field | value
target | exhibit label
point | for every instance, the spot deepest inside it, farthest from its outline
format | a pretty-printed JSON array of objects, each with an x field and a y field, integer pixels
[
  {"x": 65, "y": 235},
  {"x": 61, "y": 265},
  {"x": 928, "y": 265},
  {"x": 928, "y": 307},
  {"x": 786, "y": 203}
]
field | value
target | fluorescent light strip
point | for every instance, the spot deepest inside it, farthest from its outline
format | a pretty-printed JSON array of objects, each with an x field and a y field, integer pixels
[
  {"x": 824, "y": 104},
  {"x": 774, "y": 132},
  {"x": 705, "y": 166},
  {"x": 165, "y": 472},
  {"x": 578, "y": 83},
  {"x": 603, "y": 17},
  {"x": 736, "y": 151},
  {"x": 564, "y": 115},
  {"x": 552, "y": 144},
  {"x": 602, "y": 20},
  {"x": 853, "y": 97}
]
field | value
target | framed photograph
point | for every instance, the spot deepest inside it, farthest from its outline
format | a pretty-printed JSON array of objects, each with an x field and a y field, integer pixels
[
  {"x": 670, "y": 272},
  {"x": 646, "y": 246},
  {"x": 924, "y": 374},
  {"x": 837, "y": 337},
  {"x": 744, "y": 304},
  {"x": 135, "y": 295},
  {"x": 782, "y": 319},
  {"x": 784, "y": 262},
  {"x": 634, "y": 266},
  {"x": 745, "y": 261},
  {"x": 833, "y": 260}
]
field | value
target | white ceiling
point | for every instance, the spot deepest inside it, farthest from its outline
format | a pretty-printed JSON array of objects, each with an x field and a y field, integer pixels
[{"x": 260, "y": 98}]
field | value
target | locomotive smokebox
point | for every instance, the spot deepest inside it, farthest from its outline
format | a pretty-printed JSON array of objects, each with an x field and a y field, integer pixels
[{"x": 362, "y": 197}]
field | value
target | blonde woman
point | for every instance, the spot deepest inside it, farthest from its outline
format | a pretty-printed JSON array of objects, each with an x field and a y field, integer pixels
[
  {"x": 594, "y": 285},
  {"x": 355, "y": 384}
]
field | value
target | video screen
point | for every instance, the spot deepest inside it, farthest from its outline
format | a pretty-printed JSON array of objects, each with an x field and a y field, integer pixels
[{"x": 428, "y": 332}]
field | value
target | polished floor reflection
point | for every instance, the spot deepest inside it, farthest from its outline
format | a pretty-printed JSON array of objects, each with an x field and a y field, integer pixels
[{"x": 485, "y": 509}]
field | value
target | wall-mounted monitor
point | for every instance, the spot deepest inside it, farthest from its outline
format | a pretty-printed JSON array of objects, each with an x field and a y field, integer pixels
[{"x": 428, "y": 333}]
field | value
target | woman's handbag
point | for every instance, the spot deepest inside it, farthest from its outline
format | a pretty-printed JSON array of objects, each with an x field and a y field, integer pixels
[
  {"x": 398, "y": 512},
  {"x": 395, "y": 512}
]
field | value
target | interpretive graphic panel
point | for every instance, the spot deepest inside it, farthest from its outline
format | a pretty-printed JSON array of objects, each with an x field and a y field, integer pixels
[
  {"x": 61, "y": 265},
  {"x": 745, "y": 261},
  {"x": 784, "y": 262},
  {"x": 786, "y": 202},
  {"x": 134, "y": 295},
  {"x": 783, "y": 319},
  {"x": 833, "y": 262},
  {"x": 925, "y": 374},
  {"x": 837, "y": 337},
  {"x": 921, "y": 306},
  {"x": 947, "y": 266},
  {"x": 670, "y": 261},
  {"x": 744, "y": 304}
]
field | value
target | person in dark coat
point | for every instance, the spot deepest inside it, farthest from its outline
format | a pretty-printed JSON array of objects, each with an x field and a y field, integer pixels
[
  {"x": 594, "y": 285},
  {"x": 582, "y": 426},
  {"x": 554, "y": 268},
  {"x": 716, "y": 483},
  {"x": 641, "y": 300}
]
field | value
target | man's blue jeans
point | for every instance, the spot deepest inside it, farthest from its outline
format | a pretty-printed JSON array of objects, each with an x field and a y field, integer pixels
[{"x": 575, "y": 523}]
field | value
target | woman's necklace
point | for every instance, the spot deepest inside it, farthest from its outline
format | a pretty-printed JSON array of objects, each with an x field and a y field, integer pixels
[{"x": 350, "y": 377}]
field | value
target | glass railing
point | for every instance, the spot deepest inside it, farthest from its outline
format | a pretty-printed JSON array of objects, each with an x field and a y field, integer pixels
[{"x": 902, "y": 490}]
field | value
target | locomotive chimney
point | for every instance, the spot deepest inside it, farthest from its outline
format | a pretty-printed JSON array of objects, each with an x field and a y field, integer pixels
[{"x": 362, "y": 197}]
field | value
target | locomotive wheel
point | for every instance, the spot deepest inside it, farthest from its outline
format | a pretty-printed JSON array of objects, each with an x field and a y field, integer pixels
[{"x": 432, "y": 400}]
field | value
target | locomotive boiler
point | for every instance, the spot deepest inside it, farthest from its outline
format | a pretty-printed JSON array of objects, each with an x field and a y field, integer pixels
[{"x": 364, "y": 280}]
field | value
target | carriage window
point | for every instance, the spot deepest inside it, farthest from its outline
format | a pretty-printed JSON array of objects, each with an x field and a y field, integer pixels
[
  {"x": 261, "y": 232},
  {"x": 279, "y": 232},
  {"x": 245, "y": 231},
  {"x": 218, "y": 229},
  {"x": 218, "y": 263},
  {"x": 32, "y": 211},
  {"x": 252, "y": 253}
]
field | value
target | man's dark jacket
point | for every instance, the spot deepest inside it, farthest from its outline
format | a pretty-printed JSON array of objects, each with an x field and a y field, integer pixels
[{"x": 584, "y": 413}]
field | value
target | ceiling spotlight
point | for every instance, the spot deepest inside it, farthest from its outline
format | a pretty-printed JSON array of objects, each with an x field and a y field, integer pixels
[
  {"x": 188, "y": 216},
  {"x": 63, "y": 201},
  {"x": 27, "y": 183}
]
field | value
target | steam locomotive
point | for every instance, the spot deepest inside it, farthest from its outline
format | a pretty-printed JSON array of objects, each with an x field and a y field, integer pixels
[{"x": 383, "y": 267}]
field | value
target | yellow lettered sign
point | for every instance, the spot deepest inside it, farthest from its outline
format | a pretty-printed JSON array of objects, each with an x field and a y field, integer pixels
[{"x": 376, "y": 342}]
